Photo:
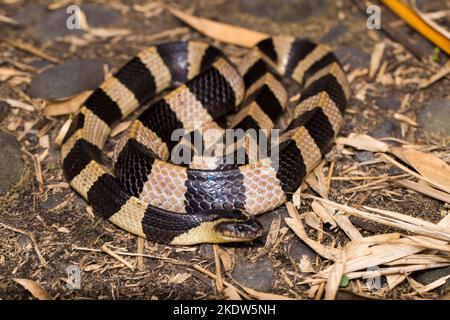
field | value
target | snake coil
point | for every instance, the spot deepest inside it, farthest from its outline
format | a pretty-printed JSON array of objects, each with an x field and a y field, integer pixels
[{"x": 204, "y": 201}]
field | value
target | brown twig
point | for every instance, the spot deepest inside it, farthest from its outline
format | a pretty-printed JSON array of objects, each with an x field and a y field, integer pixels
[
  {"x": 32, "y": 238},
  {"x": 30, "y": 49}
]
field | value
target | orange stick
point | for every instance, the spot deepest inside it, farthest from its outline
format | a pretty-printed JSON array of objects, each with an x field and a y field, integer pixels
[{"x": 410, "y": 17}]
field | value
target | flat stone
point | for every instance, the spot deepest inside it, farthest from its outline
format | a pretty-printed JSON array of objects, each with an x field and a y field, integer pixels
[
  {"x": 435, "y": 117},
  {"x": 99, "y": 16},
  {"x": 388, "y": 102},
  {"x": 206, "y": 250},
  {"x": 335, "y": 33},
  {"x": 353, "y": 56},
  {"x": 385, "y": 129},
  {"x": 298, "y": 248},
  {"x": 54, "y": 23},
  {"x": 52, "y": 201},
  {"x": 4, "y": 109},
  {"x": 427, "y": 276},
  {"x": 23, "y": 240},
  {"x": 362, "y": 156},
  {"x": 11, "y": 164},
  {"x": 258, "y": 275},
  {"x": 394, "y": 171},
  {"x": 30, "y": 14},
  {"x": 285, "y": 10},
  {"x": 67, "y": 79},
  {"x": 346, "y": 295}
]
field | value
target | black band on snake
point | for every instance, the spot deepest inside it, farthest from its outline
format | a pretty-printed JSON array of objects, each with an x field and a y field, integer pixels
[{"x": 205, "y": 201}]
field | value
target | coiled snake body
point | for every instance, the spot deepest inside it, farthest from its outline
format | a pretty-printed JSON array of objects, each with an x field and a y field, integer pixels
[{"x": 210, "y": 201}]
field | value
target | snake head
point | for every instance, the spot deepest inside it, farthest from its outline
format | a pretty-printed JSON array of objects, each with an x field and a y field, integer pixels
[
  {"x": 237, "y": 226},
  {"x": 218, "y": 226}
]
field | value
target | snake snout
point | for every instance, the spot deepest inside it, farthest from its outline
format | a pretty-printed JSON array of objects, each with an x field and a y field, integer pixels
[{"x": 240, "y": 230}]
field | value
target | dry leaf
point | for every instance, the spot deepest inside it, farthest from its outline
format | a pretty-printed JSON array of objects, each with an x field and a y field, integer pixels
[
  {"x": 325, "y": 215},
  {"x": 180, "y": 278},
  {"x": 394, "y": 219},
  {"x": 428, "y": 165},
  {"x": 263, "y": 295},
  {"x": 345, "y": 224},
  {"x": 221, "y": 31},
  {"x": 433, "y": 285},
  {"x": 334, "y": 277},
  {"x": 312, "y": 220},
  {"x": 305, "y": 264},
  {"x": 67, "y": 106},
  {"x": 63, "y": 131},
  {"x": 19, "y": 104},
  {"x": 227, "y": 260},
  {"x": 34, "y": 288},
  {"x": 376, "y": 57},
  {"x": 363, "y": 142},
  {"x": 425, "y": 189},
  {"x": 108, "y": 33},
  {"x": 296, "y": 225},
  {"x": 405, "y": 119},
  {"x": 6, "y": 73},
  {"x": 443, "y": 72},
  {"x": 231, "y": 294}
]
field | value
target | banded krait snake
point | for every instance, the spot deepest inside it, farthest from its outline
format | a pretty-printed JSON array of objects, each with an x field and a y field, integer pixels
[{"x": 153, "y": 198}]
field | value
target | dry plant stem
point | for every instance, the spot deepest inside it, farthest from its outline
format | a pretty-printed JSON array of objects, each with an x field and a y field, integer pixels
[
  {"x": 213, "y": 276},
  {"x": 131, "y": 254},
  {"x": 426, "y": 190},
  {"x": 219, "y": 280},
  {"x": 397, "y": 220},
  {"x": 30, "y": 49},
  {"x": 418, "y": 176},
  {"x": 140, "y": 251},
  {"x": 32, "y": 238},
  {"x": 113, "y": 254}
]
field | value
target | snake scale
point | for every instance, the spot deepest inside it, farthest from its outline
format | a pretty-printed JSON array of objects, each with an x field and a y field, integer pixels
[{"x": 180, "y": 204}]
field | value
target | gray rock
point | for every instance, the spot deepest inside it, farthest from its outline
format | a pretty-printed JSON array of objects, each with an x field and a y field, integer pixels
[
  {"x": 52, "y": 201},
  {"x": 23, "y": 240},
  {"x": 353, "y": 56},
  {"x": 267, "y": 218},
  {"x": 346, "y": 295},
  {"x": 4, "y": 109},
  {"x": 67, "y": 79},
  {"x": 30, "y": 14},
  {"x": 428, "y": 276},
  {"x": 99, "y": 16},
  {"x": 206, "y": 250},
  {"x": 11, "y": 164},
  {"x": 285, "y": 10},
  {"x": 435, "y": 117},
  {"x": 386, "y": 129},
  {"x": 394, "y": 171},
  {"x": 334, "y": 33},
  {"x": 365, "y": 224},
  {"x": 258, "y": 275},
  {"x": 388, "y": 102},
  {"x": 54, "y": 23},
  {"x": 298, "y": 248},
  {"x": 362, "y": 156}
]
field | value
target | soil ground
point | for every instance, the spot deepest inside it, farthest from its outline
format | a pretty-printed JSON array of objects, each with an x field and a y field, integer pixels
[{"x": 65, "y": 228}]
